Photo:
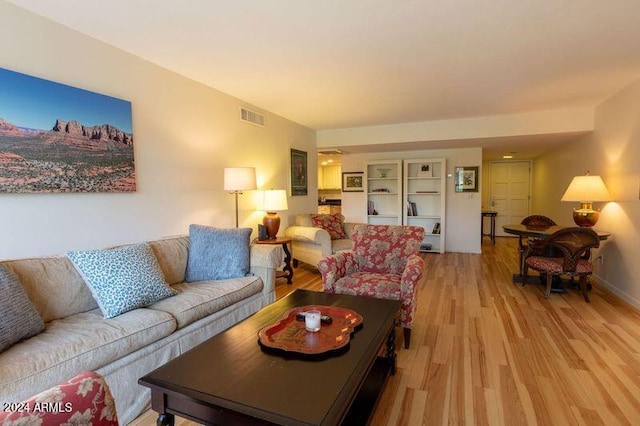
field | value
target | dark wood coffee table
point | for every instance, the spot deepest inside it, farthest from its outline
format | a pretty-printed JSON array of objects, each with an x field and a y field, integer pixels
[{"x": 231, "y": 379}]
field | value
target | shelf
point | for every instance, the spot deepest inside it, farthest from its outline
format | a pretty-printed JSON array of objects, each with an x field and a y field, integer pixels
[
  {"x": 382, "y": 193},
  {"x": 424, "y": 193},
  {"x": 423, "y": 177},
  {"x": 386, "y": 216},
  {"x": 423, "y": 217}
]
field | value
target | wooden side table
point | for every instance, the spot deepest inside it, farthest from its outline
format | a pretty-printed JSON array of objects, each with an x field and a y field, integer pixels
[
  {"x": 492, "y": 226},
  {"x": 287, "y": 271}
]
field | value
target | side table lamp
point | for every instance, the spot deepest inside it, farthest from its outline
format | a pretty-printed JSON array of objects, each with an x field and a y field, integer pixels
[
  {"x": 274, "y": 200},
  {"x": 585, "y": 190}
]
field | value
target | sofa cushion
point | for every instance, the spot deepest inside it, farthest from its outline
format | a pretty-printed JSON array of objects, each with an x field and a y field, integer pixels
[
  {"x": 341, "y": 245},
  {"x": 19, "y": 319},
  {"x": 200, "y": 299},
  {"x": 217, "y": 254},
  {"x": 380, "y": 286},
  {"x": 79, "y": 342},
  {"x": 123, "y": 278},
  {"x": 53, "y": 285},
  {"x": 332, "y": 223},
  {"x": 172, "y": 255}
]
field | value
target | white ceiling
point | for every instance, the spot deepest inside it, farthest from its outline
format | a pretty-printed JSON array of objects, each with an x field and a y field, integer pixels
[{"x": 335, "y": 63}]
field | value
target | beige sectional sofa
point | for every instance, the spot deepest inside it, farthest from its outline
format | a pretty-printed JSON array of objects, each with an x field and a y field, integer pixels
[{"x": 77, "y": 338}]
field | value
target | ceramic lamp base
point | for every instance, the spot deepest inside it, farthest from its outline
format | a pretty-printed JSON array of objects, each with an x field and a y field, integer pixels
[{"x": 271, "y": 221}]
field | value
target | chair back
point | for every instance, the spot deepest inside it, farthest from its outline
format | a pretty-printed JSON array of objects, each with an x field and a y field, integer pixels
[
  {"x": 573, "y": 243},
  {"x": 537, "y": 220},
  {"x": 385, "y": 248}
]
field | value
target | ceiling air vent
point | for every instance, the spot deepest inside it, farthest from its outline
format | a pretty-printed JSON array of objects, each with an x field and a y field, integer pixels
[{"x": 251, "y": 117}]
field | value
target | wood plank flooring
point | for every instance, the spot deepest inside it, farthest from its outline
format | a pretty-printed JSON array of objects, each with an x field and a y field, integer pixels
[{"x": 487, "y": 352}]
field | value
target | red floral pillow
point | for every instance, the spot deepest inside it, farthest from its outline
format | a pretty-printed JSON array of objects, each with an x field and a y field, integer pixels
[
  {"x": 332, "y": 223},
  {"x": 83, "y": 400}
]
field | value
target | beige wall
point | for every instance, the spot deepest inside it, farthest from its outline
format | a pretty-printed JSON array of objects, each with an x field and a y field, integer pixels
[
  {"x": 185, "y": 134},
  {"x": 612, "y": 151}
]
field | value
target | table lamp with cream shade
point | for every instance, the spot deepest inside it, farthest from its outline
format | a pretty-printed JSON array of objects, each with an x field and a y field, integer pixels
[
  {"x": 586, "y": 190},
  {"x": 274, "y": 200},
  {"x": 238, "y": 179}
]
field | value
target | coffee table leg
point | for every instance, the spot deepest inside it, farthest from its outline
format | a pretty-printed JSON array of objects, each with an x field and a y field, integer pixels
[
  {"x": 391, "y": 350},
  {"x": 165, "y": 420}
]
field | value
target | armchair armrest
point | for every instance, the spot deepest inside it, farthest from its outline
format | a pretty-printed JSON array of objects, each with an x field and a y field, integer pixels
[
  {"x": 408, "y": 286},
  {"x": 264, "y": 260},
  {"x": 335, "y": 267}
]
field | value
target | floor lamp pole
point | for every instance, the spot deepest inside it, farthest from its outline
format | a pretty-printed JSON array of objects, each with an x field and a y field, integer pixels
[{"x": 236, "y": 194}]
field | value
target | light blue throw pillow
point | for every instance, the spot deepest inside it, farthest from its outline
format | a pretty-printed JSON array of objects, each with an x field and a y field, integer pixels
[
  {"x": 217, "y": 254},
  {"x": 122, "y": 279}
]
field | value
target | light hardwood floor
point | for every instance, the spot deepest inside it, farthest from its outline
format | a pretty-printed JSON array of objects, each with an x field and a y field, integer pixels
[{"x": 485, "y": 351}]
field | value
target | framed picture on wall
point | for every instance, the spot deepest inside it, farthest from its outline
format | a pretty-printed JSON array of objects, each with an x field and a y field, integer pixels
[
  {"x": 466, "y": 179},
  {"x": 56, "y": 138},
  {"x": 352, "y": 182},
  {"x": 299, "y": 173}
]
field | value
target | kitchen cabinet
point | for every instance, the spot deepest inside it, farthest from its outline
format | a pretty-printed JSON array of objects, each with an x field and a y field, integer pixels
[{"x": 329, "y": 177}]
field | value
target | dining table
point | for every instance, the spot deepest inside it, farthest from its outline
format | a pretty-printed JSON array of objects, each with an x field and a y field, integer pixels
[{"x": 541, "y": 232}]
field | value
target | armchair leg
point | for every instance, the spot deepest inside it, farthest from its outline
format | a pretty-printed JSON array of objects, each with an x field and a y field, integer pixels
[
  {"x": 295, "y": 263},
  {"x": 407, "y": 337}
]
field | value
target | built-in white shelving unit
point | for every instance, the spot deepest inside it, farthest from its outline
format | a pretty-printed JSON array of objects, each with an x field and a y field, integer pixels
[
  {"x": 383, "y": 186},
  {"x": 423, "y": 199}
]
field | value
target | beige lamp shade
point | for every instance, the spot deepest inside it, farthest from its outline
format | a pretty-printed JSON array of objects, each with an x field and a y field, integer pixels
[
  {"x": 239, "y": 178},
  {"x": 586, "y": 190},
  {"x": 274, "y": 200}
]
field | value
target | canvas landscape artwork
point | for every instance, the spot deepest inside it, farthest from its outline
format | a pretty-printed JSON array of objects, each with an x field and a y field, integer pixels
[{"x": 58, "y": 138}]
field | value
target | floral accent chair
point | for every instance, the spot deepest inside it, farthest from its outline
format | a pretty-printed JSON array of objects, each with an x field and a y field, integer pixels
[
  {"x": 384, "y": 263},
  {"x": 83, "y": 400}
]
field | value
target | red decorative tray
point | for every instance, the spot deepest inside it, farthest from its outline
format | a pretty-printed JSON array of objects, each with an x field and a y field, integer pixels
[{"x": 289, "y": 335}]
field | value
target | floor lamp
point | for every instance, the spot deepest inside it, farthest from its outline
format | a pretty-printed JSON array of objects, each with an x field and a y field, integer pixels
[{"x": 238, "y": 179}]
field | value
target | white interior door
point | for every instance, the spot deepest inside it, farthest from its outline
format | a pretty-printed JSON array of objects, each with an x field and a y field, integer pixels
[{"x": 510, "y": 192}]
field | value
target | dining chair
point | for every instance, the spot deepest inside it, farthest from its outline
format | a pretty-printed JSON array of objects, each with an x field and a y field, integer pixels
[
  {"x": 573, "y": 244},
  {"x": 533, "y": 246}
]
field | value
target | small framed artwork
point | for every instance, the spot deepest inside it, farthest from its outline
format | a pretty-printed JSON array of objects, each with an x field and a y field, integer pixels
[
  {"x": 299, "y": 175},
  {"x": 466, "y": 179},
  {"x": 352, "y": 182}
]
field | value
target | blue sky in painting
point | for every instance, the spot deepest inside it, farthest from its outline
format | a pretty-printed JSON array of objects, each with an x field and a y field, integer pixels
[{"x": 36, "y": 103}]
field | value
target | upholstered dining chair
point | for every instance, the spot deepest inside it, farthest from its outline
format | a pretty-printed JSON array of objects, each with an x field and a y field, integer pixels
[
  {"x": 533, "y": 246},
  {"x": 572, "y": 244},
  {"x": 383, "y": 263}
]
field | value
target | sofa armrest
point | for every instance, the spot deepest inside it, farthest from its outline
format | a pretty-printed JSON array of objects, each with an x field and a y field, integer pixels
[
  {"x": 265, "y": 259},
  {"x": 309, "y": 234},
  {"x": 335, "y": 267}
]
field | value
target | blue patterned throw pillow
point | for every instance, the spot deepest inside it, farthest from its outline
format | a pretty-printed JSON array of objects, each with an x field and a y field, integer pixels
[
  {"x": 217, "y": 254},
  {"x": 122, "y": 279}
]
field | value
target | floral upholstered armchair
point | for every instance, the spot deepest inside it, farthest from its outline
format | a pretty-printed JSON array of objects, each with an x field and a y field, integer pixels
[{"x": 384, "y": 263}]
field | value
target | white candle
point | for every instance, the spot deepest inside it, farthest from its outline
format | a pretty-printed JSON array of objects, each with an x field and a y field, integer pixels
[{"x": 312, "y": 320}]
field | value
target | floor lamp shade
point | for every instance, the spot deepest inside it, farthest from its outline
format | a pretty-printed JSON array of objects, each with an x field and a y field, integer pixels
[
  {"x": 585, "y": 190},
  {"x": 274, "y": 200},
  {"x": 238, "y": 179}
]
